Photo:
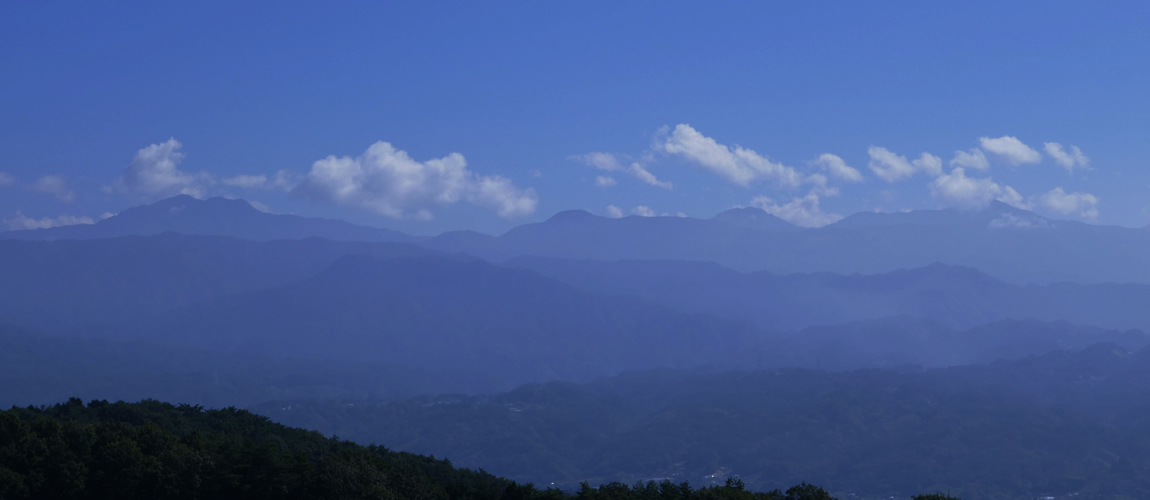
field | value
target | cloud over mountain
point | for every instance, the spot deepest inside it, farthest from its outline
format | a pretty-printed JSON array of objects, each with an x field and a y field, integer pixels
[
  {"x": 21, "y": 221},
  {"x": 387, "y": 181},
  {"x": 803, "y": 211},
  {"x": 956, "y": 190},
  {"x": 1058, "y": 200},
  {"x": 154, "y": 173}
]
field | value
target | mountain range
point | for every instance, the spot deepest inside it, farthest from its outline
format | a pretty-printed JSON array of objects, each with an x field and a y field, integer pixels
[{"x": 1008, "y": 243}]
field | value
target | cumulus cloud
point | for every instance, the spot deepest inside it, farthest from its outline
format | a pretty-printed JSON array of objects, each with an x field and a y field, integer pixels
[
  {"x": 819, "y": 181},
  {"x": 1008, "y": 220},
  {"x": 21, "y": 221},
  {"x": 246, "y": 181},
  {"x": 956, "y": 190},
  {"x": 154, "y": 173},
  {"x": 1067, "y": 159},
  {"x": 1058, "y": 200},
  {"x": 736, "y": 165},
  {"x": 604, "y": 181},
  {"x": 55, "y": 185},
  {"x": 1010, "y": 150},
  {"x": 643, "y": 211},
  {"x": 614, "y": 212},
  {"x": 6, "y": 180},
  {"x": 282, "y": 180},
  {"x": 838, "y": 168},
  {"x": 601, "y": 161},
  {"x": 642, "y": 174},
  {"x": 975, "y": 159},
  {"x": 389, "y": 182},
  {"x": 803, "y": 211},
  {"x": 611, "y": 163},
  {"x": 892, "y": 167}
]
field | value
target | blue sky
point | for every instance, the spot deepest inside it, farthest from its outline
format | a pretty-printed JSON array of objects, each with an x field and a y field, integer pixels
[{"x": 486, "y": 115}]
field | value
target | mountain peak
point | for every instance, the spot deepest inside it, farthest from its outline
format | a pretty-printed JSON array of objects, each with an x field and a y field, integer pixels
[
  {"x": 212, "y": 217},
  {"x": 996, "y": 215},
  {"x": 572, "y": 215},
  {"x": 753, "y": 218}
]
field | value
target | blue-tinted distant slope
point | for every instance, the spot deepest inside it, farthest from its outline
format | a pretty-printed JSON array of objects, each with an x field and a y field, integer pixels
[
  {"x": 213, "y": 216},
  {"x": 1010, "y": 244},
  {"x": 470, "y": 317},
  {"x": 754, "y": 218},
  {"x": 65, "y": 284},
  {"x": 955, "y": 296}
]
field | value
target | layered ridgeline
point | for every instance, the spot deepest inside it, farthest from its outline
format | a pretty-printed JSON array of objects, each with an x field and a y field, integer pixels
[
  {"x": 1063, "y": 425},
  {"x": 39, "y": 369},
  {"x": 159, "y": 451},
  {"x": 956, "y": 296},
  {"x": 1008, "y": 243},
  {"x": 212, "y": 217}
]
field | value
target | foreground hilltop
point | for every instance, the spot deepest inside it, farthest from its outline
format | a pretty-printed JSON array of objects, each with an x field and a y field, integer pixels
[{"x": 160, "y": 451}]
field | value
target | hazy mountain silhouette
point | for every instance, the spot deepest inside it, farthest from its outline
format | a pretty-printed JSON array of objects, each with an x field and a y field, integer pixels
[
  {"x": 955, "y": 296},
  {"x": 1064, "y": 423},
  {"x": 1008, "y": 243},
  {"x": 36, "y": 369},
  {"x": 900, "y": 342},
  {"x": 468, "y": 317},
  {"x": 754, "y": 218},
  {"x": 213, "y": 216},
  {"x": 69, "y": 283}
]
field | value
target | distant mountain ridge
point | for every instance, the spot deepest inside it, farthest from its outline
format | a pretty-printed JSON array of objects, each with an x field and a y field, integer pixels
[
  {"x": 472, "y": 318},
  {"x": 955, "y": 296},
  {"x": 212, "y": 217},
  {"x": 1011, "y": 244},
  {"x": 60, "y": 285}
]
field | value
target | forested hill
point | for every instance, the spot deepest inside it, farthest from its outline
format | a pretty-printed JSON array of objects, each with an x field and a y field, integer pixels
[{"x": 159, "y": 451}]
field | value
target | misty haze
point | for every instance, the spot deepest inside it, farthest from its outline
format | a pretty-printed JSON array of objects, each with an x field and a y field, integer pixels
[{"x": 575, "y": 251}]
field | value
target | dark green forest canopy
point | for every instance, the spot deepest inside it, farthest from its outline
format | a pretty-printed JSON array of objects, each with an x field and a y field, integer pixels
[{"x": 157, "y": 450}]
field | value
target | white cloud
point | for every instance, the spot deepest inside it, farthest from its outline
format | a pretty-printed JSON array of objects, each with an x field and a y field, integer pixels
[
  {"x": 601, "y": 161},
  {"x": 819, "y": 181},
  {"x": 891, "y": 167},
  {"x": 21, "y": 221},
  {"x": 1011, "y": 197},
  {"x": 246, "y": 181},
  {"x": 260, "y": 206},
  {"x": 956, "y": 190},
  {"x": 803, "y": 211},
  {"x": 604, "y": 181},
  {"x": 154, "y": 173},
  {"x": 643, "y": 211},
  {"x": 739, "y": 166},
  {"x": 1068, "y": 160},
  {"x": 1010, "y": 149},
  {"x": 614, "y": 212},
  {"x": 611, "y": 163},
  {"x": 1058, "y": 200},
  {"x": 975, "y": 159},
  {"x": 283, "y": 180},
  {"x": 387, "y": 181},
  {"x": 6, "y": 180},
  {"x": 642, "y": 174},
  {"x": 1009, "y": 220},
  {"x": 55, "y": 185},
  {"x": 838, "y": 168}
]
